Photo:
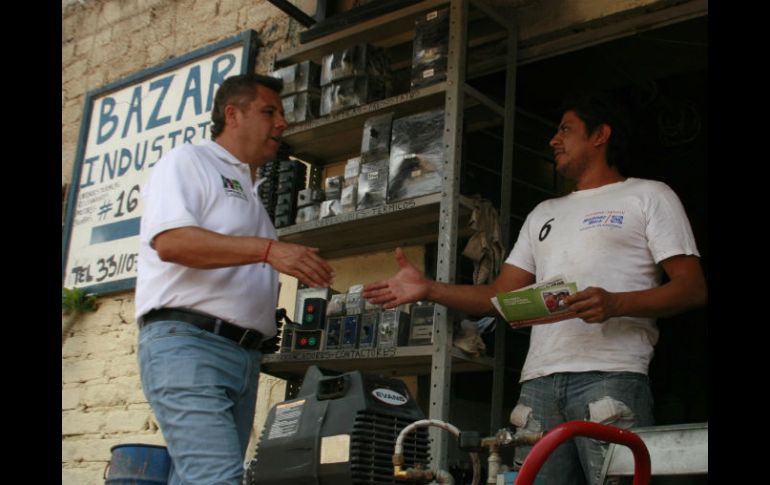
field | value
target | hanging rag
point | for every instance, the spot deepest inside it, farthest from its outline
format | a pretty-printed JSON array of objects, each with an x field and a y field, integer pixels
[{"x": 485, "y": 247}]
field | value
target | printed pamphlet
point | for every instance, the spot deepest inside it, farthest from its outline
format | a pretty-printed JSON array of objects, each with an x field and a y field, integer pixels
[{"x": 535, "y": 304}]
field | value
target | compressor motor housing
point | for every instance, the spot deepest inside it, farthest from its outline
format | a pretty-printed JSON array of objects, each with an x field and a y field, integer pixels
[{"x": 340, "y": 429}]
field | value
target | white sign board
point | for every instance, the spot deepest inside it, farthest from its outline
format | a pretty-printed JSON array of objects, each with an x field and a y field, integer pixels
[{"x": 126, "y": 128}]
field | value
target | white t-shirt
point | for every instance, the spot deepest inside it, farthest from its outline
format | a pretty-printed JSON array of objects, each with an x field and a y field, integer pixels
[
  {"x": 611, "y": 237},
  {"x": 206, "y": 186}
]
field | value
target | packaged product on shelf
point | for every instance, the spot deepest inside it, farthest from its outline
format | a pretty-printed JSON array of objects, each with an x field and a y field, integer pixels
[
  {"x": 308, "y": 213},
  {"x": 307, "y": 197},
  {"x": 375, "y": 141},
  {"x": 358, "y": 60},
  {"x": 372, "y": 184},
  {"x": 333, "y": 187},
  {"x": 393, "y": 328},
  {"x": 299, "y": 107},
  {"x": 348, "y": 198},
  {"x": 283, "y": 221},
  {"x": 291, "y": 176},
  {"x": 354, "y": 303},
  {"x": 429, "y": 49},
  {"x": 350, "y": 93},
  {"x": 421, "y": 323},
  {"x": 416, "y": 155},
  {"x": 330, "y": 208},
  {"x": 285, "y": 205},
  {"x": 297, "y": 78},
  {"x": 368, "y": 334},
  {"x": 336, "y": 306},
  {"x": 305, "y": 293},
  {"x": 352, "y": 171}
]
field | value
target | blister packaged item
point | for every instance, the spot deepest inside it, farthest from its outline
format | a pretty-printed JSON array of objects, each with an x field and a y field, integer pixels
[
  {"x": 354, "y": 303},
  {"x": 333, "y": 187},
  {"x": 307, "y": 197},
  {"x": 367, "y": 338},
  {"x": 285, "y": 205},
  {"x": 416, "y": 155},
  {"x": 304, "y": 76},
  {"x": 348, "y": 198},
  {"x": 308, "y": 213},
  {"x": 421, "y": 323},
  {"x": 352, "y": 171},
  {"x": 330, "y": 208},
  {"x": 358, "y": 60},
  {"x": 283, "y": 221},
  {"x": 301, "y": 107},
  {"x": 350, "y": 93},
  {"x": 368, "y": 307},
  {"x": 375, "y": 141},
  {"x": 291, "y": 177},
  {"x": 429, "y": 49},
  {"x": 342, "y": 64},
  {"x": 372, "y": 184},
  {"x": 393, "y": 328},
  {"x": 336, "y": 306}
]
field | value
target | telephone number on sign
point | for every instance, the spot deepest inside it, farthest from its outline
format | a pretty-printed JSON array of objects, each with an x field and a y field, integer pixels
[{"x": 104, "y": 268}]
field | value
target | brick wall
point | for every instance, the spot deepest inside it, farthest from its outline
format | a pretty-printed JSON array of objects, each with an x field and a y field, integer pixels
[{"x": 104, "y": 41}]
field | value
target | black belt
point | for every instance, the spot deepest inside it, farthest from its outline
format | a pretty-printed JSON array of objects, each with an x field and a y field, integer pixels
[{"x": 246, "y": 338}]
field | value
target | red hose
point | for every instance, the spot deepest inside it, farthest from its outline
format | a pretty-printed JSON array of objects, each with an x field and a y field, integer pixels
[{"x": 565, "y": 431}]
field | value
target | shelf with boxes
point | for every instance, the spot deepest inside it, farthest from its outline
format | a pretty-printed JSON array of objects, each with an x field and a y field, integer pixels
[
  {"x": 408, "y": 139},
  {"x": 407, "y": 222},
  {"x": 338, "y": 135},
  {"x": 486, "y": 38},
  {"x": 392, "y": 361},
  {"x": 342, "y": 331},
  {"x": 384, "y": 31}
]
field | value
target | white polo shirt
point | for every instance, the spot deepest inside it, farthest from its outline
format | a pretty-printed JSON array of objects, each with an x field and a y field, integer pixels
[
  {"x": 613, "y": 237},
  {"x": 205, "y": 186}
]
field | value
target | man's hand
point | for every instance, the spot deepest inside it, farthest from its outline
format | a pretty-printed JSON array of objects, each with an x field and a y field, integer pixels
[
  {"x": 593, "y": 305},
  {"x": 685, "y": 289},
  {"x": 302, "y": 262},
  {"x": 407, "y": 286}
]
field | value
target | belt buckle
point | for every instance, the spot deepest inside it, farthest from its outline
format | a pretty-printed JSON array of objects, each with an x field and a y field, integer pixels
[{"x": 245, "y": 336}]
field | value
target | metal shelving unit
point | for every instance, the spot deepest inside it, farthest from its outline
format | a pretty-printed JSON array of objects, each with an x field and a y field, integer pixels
[
  {"x": 395, "y": 361},
  {"x": 433, "y": 218},
  {"x": 406, "y": 222}
]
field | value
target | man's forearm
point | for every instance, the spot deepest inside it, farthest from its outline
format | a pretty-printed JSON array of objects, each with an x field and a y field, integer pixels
[
  {"x": 670, "y": 299},
  {"x": 470, "y": 299},
  {"x": 203, "y": 249}
]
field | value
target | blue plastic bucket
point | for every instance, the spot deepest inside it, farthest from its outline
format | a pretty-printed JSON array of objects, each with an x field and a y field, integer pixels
[{"x": 137, "y": 464}]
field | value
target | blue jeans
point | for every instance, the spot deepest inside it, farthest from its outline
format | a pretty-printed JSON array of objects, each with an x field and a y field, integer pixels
[
  {"x": 621, "y": 399},
  {"x": 202, "y": 389}
]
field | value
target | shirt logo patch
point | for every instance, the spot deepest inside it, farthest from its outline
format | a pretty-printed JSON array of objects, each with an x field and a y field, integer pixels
[
  {"x": 602, "y": 219},
  {"x": 233, "y": 188}
]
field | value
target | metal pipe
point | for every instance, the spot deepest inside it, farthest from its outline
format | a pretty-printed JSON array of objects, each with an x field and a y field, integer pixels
[
  {"x": 423, "y": 423},
  {"x": 441, "y": 476},
  {"x": 561, "y": 433},
  {"x": 493, "y": 465}
]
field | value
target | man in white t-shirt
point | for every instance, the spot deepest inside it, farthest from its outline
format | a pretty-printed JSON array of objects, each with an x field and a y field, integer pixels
[
  {"x": 207, "y": 286},
  {"x": 614, "y": 236}
]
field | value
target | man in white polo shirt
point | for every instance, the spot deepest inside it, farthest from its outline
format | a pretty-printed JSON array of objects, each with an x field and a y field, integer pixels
[
  {"x": 207, "y": 285},
  {"x": 615, "y": 237}
]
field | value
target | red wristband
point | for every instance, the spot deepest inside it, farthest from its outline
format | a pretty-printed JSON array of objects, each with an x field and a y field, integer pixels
[{"x": 270, "y": 243}]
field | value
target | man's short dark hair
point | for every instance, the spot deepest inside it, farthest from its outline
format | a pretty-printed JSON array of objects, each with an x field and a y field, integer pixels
[
  {"x": 601, "y": 107},
  {"x": 239, "y": 90}
]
